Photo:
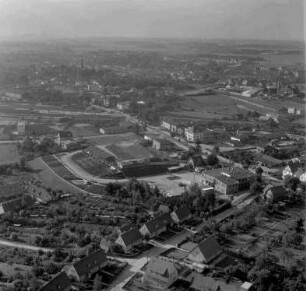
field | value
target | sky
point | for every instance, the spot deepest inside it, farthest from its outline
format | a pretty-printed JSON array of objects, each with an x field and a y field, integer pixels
[{"x": 200, "y": 19}]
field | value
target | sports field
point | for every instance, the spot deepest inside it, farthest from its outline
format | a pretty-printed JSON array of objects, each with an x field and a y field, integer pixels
[
  {"x": 112, "y": 138},
  {"x": 129, "y": 151}
]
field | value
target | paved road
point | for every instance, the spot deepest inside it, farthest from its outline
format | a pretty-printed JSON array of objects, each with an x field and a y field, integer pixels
[{"x": 23, "y": 246}]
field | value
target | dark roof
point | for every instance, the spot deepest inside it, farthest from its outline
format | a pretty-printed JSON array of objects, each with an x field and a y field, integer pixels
[
  {"x": 158, "y": 222},
  {"x": 226, "y": 180},
  {"x": 278, "y": 192},
  {"x": 209, "y": 248},
  {"x": 163, "y": 141},
  {"x": 65, "y": 134},
  {"x": 131, "y": 236},
  {"x": 58, "y": 283},
  {"x": 16, "y": 204},
  {"x": 93, "y": 260},
  {"x": 182, "y": 212}
]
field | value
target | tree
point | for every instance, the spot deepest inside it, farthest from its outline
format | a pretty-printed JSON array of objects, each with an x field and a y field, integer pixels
[
  {"x": 255, "y": 188},
  {"x": 216, "y": 150},
  {"x": 198, "y": 148},
  {"x": 212, "y": 160},
  {"x": 293, "y": 182},
  {"x": 97, "y": 284},
  {"x": 14, "y": 236},
  {"x": 287, "y": 255},
  {"x": 259, "y": 172}
]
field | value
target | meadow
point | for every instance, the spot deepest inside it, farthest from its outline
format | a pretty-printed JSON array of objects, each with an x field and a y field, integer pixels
[{"x": 8, "y": 154}]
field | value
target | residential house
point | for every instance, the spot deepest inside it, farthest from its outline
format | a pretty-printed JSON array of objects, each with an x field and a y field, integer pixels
[
  {"x": 156, "y": 226},
  {"x": 15, "y": 205},
  {"x": 181, "y": 214},
  {"x": 275, "y": 194},
  {"x": 199, "y": 282},
  {"x": 63, "y": 136},
  {"x": 110, "y": 101},
  {"x": 129, "y": 239},
  {"x": 293, "y": 169},
  {"x": 161, "y": 273},
  {"x": 87, "y": 266},
  {"x": 206, "y": 251},
  {"x": 162, "y": 144},
  {"x": 60, "y": 282},
  {"x": 124, "y": 105}
]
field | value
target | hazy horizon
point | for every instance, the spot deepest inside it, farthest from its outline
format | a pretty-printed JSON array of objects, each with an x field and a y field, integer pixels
[{"x": 190, "y": 19}]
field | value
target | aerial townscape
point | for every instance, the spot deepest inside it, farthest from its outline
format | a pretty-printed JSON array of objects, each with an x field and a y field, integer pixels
[{"x": 152, "y": 164}]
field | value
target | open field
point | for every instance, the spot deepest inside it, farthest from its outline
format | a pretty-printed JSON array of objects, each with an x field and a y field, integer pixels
[
  {"x": 50, "y": 179},
  {"x": 8, "y": 154},
  {"x": 82, "y": 130},
  {"x": 208, "y": 106},
  {"x": 129, "y": 151}
]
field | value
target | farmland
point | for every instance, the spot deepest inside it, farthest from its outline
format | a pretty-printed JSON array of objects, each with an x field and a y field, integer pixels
[{"x": 8, "y": 154}]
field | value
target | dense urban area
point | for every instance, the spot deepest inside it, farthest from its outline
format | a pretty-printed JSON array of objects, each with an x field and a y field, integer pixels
[{"x": 147, "y": 165}]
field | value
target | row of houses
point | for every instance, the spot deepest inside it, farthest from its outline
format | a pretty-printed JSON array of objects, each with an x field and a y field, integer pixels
[
  {"x": 193, "y": 132},
  {"x": 130, "y": 236},
  {"x": 163, "y": 272}
]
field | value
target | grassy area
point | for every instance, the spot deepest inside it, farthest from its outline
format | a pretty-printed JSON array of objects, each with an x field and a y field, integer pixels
[
  {"x": 210, "y": 106},
  {"x": 8, "y": 154},
  {"x": 50, "y": 179},
  {"x": 11, "y": 269},
  {"x": 114, "y": 138}
]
